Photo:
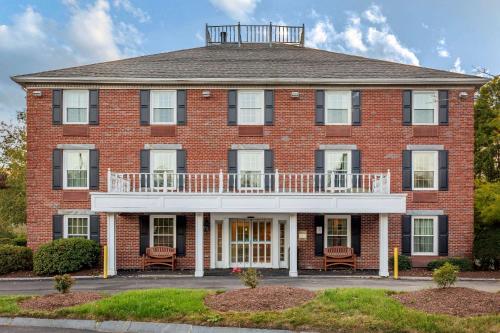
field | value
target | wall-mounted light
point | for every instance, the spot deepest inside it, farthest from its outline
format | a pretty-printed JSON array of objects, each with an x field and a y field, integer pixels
[
  {"x": 295, "y": 94},
  {"x": 206, "y": 93},
  {"x": 37, "y": 93},
  {"x": 463, "y": 95}
]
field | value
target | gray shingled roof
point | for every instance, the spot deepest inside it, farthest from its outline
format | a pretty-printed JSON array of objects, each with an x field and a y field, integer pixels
[{"x": 250, "y": 62}]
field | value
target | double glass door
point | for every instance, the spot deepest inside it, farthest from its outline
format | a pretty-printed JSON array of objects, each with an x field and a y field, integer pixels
[{"x": 250, "y": 242}]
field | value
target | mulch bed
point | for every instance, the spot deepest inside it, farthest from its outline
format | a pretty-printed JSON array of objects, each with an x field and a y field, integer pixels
[
  {"x": 55, "y": 301},
  {"x": 30, "y": 274},
  {"x": 267, "y": 298},
  {"x": 461, "y": 302},
  {"x": 473, "y": 274}
]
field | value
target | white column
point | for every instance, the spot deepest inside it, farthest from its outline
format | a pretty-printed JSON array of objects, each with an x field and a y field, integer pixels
[
  {"x": 275, "y": 243},
  {"x": 383, "y": 240},
  {"x": 198, "y": 272},
  {"x": 293, "y": 246},
  {"x": 111, "y": 243}
]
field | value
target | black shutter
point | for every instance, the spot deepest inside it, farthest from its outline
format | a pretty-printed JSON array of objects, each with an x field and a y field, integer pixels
[
  {"x": 320, "y": 107},
  {"x": 144, "y": 107},
  {"x": 407, "y": 170},
  {"x": 143, "y": 233},
  {"x": 356, "y": 168},
  {"x": 57, "y": 169},
  {"x": 181, "y": 167},
  {"x": 406, "y": 235},
  {"x": 57, "y": 107},
  {"x": 443, "y": 235},
  {"x": 144, "y": 167},
  {"x": 94, "y": 107},
  {"x": 269, "y": 169},
  {"x": 319, "y": 222},
  {"x": 356, "y": 107},
  {"x": 443, "y": 170},
  {"x": 181, "y": 107},
  {"x": 269, "y": 107},
  {"x": 356, "y": 233},
  {"x": 232, "y": 107},
  {"x": 57, "y": 226},
  {"x": 180, "y": 240},
  {"x": 94, "y": 169},
  {"x": 406, "y": 107},
  {"x": 443, "y": 107},
  {"x": 94, "y": 228},
  {"x": 319, "y": 169},
  {"x": 232, "y": 168}
]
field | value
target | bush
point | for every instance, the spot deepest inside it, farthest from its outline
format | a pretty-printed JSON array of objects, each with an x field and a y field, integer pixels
[
  {"x": 250, "y": 277},
  {"x": 487, "y": 248},
  {"x": 15, "y": 258},
  {"x": 16, "y": 241},
  {"x": 63, "y": 283},
  {"x": 404, "y": 262},
  {"x": 463, "y": 264},
  {"x": 65, "y": 256},
  {"x": 446, "y": 275}
]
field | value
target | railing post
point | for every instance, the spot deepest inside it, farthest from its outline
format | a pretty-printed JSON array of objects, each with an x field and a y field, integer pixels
[
  {"x": 276, "y": 181},
  {"x": 388, "y": 181},
  {"x": 109, "y": 179},
  {"x": 270, "y": 33},
  {"x": 239, "y": 34},
  {"x": 221, "y": 181},
  {"x": 165, "y": 181}
]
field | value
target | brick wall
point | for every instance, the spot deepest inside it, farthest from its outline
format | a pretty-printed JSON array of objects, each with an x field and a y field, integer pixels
[{"x": 293, "y": 137}]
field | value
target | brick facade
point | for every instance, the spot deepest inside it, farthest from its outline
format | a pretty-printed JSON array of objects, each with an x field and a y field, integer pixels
[{"x": 293, "y": 138}]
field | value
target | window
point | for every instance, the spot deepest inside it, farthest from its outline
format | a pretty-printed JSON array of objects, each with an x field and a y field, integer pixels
[
  {"x": 425, "y": 168},
  {"x": 338, "y": 231},
  {"x": 164, "y": 167},
  {"x": 337, "y": 166},
  {"x": 251, "y": 169},
  {"x": 338, "y": 107},
  {"x": 76, "y": 226},
  {"x": 76, "y": 169},
  {"x": 425, "y": 107},
  {"x": 250, "y": 107},
  {"x": 162, "y": 230},
  {"x": 163, "y": 106},
  {"x": 76, "y": 106},
  {"x": 424, "y": 238}
]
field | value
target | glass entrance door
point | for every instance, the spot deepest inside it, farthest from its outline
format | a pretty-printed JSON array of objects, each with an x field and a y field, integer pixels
[{"x": 251, "y": 242}]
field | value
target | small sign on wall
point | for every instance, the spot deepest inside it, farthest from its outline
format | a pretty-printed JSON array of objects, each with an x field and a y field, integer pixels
[
  {"x": 302, "y": 234},
  {"x": 319, "y": 230}
]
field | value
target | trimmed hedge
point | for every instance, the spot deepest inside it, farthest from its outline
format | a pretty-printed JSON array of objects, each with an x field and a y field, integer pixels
[
  {"x": 463, "y": 264},
  {"x": 17, "y": 241},
  {"x": 15, "y": 258},
  {"x": 404, "y": 262},
  {"x": 65, "y": 256}
]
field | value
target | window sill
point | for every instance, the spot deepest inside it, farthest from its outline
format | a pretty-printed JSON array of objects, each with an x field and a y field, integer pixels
[
  {"x": 251, "y": 130},
  {"x": 75, "y": 195},
  {"x": 163, "y": 130},
  {"x": 425, "y": 131},
  {"x": 425, "y": 197},
  {"x": 75, "y": 130},
  {"x": 338, "y": 130}
]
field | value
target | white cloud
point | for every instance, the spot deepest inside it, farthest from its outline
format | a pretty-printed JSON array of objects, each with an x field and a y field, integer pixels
[
  {"x": 387, "y": 44},
  {"x": 374, "y": 14},
  {"x": 457, "y": 66},
  {"x": 353, "y": 36},
  {"x": 441, "y": 49},
  {"x": 425, "y": 26},
  {"x": 236, "y": 9},
  {"x": 137, "y": 12},
  {"x": 320, "y": 34}
]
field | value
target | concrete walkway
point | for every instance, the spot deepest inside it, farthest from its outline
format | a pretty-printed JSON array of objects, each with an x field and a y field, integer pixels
[{"x": 118, "y": 284}]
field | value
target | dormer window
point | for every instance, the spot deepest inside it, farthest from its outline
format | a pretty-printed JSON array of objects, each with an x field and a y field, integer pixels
[{"x": 76, "y": 107}]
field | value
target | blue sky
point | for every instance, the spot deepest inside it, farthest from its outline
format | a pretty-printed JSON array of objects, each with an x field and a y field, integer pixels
[{"x": 39, "y": 35}]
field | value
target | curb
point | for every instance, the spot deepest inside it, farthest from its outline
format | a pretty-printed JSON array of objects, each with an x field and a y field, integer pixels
[{"x": 126, "y": 326}]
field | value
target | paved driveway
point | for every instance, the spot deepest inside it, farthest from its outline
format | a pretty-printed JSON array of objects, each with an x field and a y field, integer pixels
[{"x": 117, "y": 284}]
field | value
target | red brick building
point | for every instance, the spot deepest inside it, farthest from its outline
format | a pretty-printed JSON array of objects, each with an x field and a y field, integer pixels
[{"x": 252, "y": 154}]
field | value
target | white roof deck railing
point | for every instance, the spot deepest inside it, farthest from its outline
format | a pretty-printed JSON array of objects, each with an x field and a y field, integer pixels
[{"x": 249, "y": 183}]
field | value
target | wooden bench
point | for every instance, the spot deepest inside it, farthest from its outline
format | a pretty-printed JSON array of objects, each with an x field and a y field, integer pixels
[
  {"x": 339, "y": 255},
  {"x": 159, "y": 255}
]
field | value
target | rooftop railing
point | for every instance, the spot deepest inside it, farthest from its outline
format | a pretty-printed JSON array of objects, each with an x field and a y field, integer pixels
[{"x": 260, "y": 33}]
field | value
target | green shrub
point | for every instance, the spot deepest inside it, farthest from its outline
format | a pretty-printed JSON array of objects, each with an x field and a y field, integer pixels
[
  {"x": 487, "y": 248},
  {"x": 250, "y": 277},
  {"x": 20, "y": 241},
  {"x": 63, "y": 283},
  {"x": 463, "y": 264},
  {"x": 446, "y": 275},
  {"x": 404, "y": 262},
  {"x": 15, "y": 258},
  {"x": 65, "y": 256}
]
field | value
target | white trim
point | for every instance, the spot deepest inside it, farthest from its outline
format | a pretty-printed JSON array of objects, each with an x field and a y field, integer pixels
[
  {"x": 436, "y": 106},
  {"x": 293, "y": 272},
  {"x": 424, "y": 147},
  {"x": 151, "y": 107},
  {"x": 65, "y": 224},
  {"x": 383, "y": 239},
  {"x": 262, "y": 109},
  {"x": 163, "y": 146},
  {"x": 434, "y": 239},
  {"x": 111, "y": 243},
  {"x": 261, "y": 171},
  {"x": 328, "y": 169},
  {"x": 65, "y": 173},
  {"x": 76, "y": 146},
  {"x": 199, "y": 262},
  {"x": 436, "y": 170},
  {"x": 152, "y": 153},
  {"x": 337, "y": 147},
  {"x": 251, "y": 146},
  {"x": 65, "y": 111},
  {"x": 151, "y": 228},
  {"x": 325, "y": 228},
  {"x": 349, "y": 106}
]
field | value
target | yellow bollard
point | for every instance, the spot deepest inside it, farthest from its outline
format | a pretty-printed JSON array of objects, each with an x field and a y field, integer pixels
[
  {"x": 105, "y": 266},
  {"x": 396, "y": 263}
]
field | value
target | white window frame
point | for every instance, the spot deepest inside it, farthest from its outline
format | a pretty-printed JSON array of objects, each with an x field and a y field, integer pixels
[
  {"x": 151, "y": 108},
  {"x": 151, "y": 228},
  {"x": 65, "y": 224},
  {"x": 348, "y": 182},
  {"x": 262, "y": 107},
  {"x": 325, "y": 228},
  {"x": 152, "y": 167},
  {"x": 65, "y": 111},
  {"x": 436, "y": 170},
  {"x": 262, "y": 180},
  {"x": 349, "y": 106},
  {"x": 65, "y": 169},
  {"x": 436, "y": 106},
  {"x": 435, "y": 236}
]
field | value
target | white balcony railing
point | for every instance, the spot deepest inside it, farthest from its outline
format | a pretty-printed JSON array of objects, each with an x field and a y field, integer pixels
[{"x": 254, "y": 183}]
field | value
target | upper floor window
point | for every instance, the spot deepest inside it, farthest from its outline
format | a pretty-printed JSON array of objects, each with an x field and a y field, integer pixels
[
  {"x": 250, "y": 107},
  {"x": 163, "y": 167},
  {"x": 251, "y": 169},
  {"x": 337, "y": 107},
  {"x": 338, "y": 231},
  {"x": 163, "y": 107},
  {"x": 425, "y": 107},
  {"x": 337, "y": 166},
  {"x": 76, "y": 226},
  {"x": 424, "y": 235},
  {"x": 76, "y": 169},
  {"x": 76, "y": 106},
  {"x": 425, "y": 170}
]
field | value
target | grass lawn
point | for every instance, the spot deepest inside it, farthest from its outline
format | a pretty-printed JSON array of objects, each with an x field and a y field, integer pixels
[{"x": 357, "y": 310}]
